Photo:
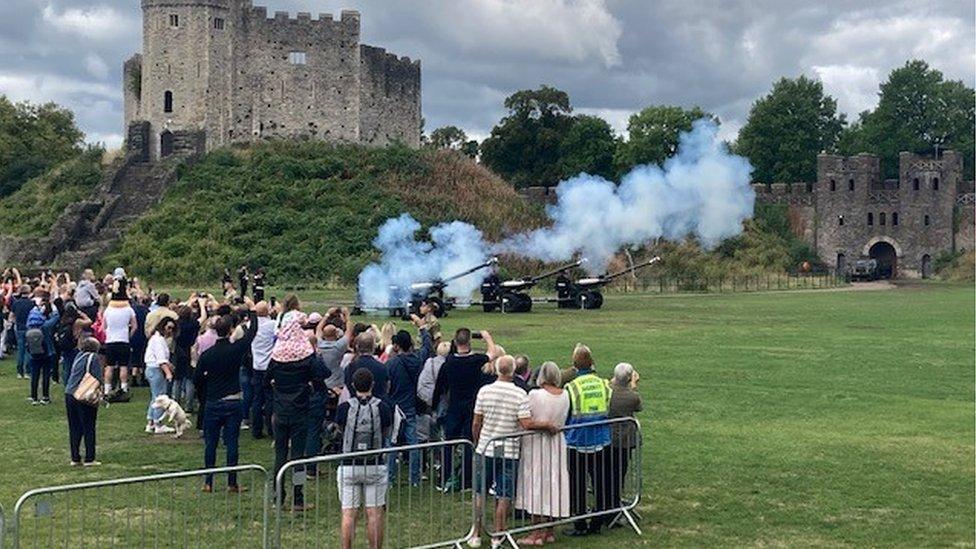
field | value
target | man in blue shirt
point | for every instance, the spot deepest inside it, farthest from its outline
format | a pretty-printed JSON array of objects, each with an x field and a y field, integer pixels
[
  {"x": 365, "y": 347},
  {"x": 21, "y": 308},
  {"x": 404, "y": 368}
]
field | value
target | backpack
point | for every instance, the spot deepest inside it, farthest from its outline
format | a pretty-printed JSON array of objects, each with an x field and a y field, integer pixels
[
  {"x": 34, "y": 341},
  {"x": 64, "y": 337},
  {"x": 364, "y": 427}
]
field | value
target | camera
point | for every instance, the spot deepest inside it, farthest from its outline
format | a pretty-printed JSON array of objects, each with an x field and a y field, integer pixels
[{"x": 476, "y": 335}]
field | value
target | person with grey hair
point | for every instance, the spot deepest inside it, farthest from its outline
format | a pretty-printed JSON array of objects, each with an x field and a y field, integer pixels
[
  {"x": 365, "y": 347},
  {"x": 625, "y": 401},
  {"x": 543, "y": 479}
]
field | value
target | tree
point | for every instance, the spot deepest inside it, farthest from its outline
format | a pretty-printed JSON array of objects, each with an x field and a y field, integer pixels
[
  {"x": 33, "y": 138},
  {"x": 918, "y": 111},
  {"x": 653, "y": 135},
  {"x": 448, "y": 137},
  {"x": 787, "y": 129},
  {"x": 588, "y": 147},
  {"x": 524, "y": 147}
]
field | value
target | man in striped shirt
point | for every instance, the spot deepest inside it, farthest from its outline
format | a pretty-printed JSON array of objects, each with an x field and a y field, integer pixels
[{"x": 501, "y": 409}]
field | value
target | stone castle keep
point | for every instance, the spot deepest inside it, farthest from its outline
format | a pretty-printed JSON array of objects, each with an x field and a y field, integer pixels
[{"x": 216, "y": 72}]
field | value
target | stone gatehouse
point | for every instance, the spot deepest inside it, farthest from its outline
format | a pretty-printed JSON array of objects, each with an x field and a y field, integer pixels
[{"x": 215, "y": 72}]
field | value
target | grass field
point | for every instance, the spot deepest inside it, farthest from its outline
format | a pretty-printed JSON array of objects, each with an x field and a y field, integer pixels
[{"x": 829, "y": 418}]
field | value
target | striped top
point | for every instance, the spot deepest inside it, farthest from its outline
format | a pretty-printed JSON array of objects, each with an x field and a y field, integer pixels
[{"x": 502, "y": 404}]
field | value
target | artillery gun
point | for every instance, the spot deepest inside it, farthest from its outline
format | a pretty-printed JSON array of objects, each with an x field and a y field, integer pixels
[
  {"x": 432, "y": 292},
  {"x": 585, "y": 293},
  {"x": 510, "y": 296}
]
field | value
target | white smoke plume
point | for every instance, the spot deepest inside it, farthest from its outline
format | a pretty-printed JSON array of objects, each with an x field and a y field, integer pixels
[
  {"x": 453, "y": 248},
  {"x": 702, "y": 191}
]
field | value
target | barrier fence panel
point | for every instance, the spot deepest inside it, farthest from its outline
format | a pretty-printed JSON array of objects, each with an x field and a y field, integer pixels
[
  {"x": 164, "y": 510},
  {"x": 552, "y": 483},
  {"x": 432, "y": 509}
]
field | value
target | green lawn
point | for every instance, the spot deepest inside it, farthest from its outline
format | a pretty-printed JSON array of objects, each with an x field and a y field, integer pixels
[{"x": 828, "y": 418}]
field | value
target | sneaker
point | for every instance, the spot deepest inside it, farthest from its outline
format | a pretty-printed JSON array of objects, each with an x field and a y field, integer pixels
[
  {"x": 164, "y": 430},
  {"x": 76, "y": 464},
  {"x": 474, "y": 541},
  {"x": 207, "y": 489},
  {"x": 150, "y": 428},
  {"x": 92, "y": 463},
  {"x": 237, "y": 489},
  {"x": 497, "y": 542},
  {"x": 245, "y": 426},
  {"x": 45, "y": 401},
  {"x": 33, "y": 402}
]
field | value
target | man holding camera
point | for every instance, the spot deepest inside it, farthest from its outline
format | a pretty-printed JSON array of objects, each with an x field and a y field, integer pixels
[{"x": 461, "y": 377}]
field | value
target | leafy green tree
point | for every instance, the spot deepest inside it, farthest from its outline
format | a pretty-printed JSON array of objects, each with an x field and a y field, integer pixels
[
  {"x": 448, "y": 137},
  {"x": 588, "y": 147},
  {"x": 788, "y": 128},
  {"x": 653, "y": 135},
  {"x": 470, "y": 148},
  {"x": 33, "y": 138},
  {"x": 918, "y": 111},
  {"x": 525, "y": 145}
]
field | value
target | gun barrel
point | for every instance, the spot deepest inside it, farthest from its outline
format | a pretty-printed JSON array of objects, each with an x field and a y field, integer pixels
[
  {"x": 631, "y": 269},
  {"x": 488, "y": 263},
  {"x": 554, "y": 272}
]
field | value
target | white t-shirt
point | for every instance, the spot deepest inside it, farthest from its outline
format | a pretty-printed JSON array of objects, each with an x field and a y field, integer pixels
[
  {"x": 117, "y": 324},
  {"x": 263, "y": 344},
  {"x": 502, "y": 404},
  {"x": 157, "y": 351}
]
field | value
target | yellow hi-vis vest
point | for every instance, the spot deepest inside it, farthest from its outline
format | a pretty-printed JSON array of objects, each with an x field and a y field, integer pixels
[{"x": 589, "y": 395}]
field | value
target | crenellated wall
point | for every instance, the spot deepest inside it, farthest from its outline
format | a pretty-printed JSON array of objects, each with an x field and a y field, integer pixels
[{"x": 390, "y": 98}]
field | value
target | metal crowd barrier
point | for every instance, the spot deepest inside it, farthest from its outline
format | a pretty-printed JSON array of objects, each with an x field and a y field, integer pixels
[
  {"x": 551, "y": 484},
  {"x": 164, "y": 510},
  {"x": 435, "y": 512}
]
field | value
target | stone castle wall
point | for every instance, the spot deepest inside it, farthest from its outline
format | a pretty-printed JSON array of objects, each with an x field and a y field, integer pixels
[{"x": 235, "y": 73}]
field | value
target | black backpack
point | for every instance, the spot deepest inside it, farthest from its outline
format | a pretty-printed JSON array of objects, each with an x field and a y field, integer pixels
[{"x": 64, "y": 337}]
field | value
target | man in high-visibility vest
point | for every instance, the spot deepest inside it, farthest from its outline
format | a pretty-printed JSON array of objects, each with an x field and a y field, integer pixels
[{"x": 588, "y": 447}]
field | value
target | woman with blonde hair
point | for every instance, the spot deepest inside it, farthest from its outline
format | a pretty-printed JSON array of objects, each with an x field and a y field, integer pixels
[
  {"x": 384, "y": 342},
  {"x": 543, "y": 478}
]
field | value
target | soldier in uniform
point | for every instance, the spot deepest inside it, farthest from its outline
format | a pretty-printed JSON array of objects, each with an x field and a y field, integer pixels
[{"x": 564, "y": 291}]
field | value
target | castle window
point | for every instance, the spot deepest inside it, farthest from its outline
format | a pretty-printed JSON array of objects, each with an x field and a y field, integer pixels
[
  {"x": 894, "y": 218},
  {"x": 926, "y": 220},
  {"x": 174, "y": 20},
  {"x": 915, "y": 184},
  {"x": 168, "y": 101},
  {"x": 218, "y": 23},
  {"x": 833, "y": 185},
  {"x": 870, "y": 219},
  {"x": 850, "y": 184},
  {"x": 840, "y": 220},
  {"x": 881, "y": 219},
  {"x": 935, "y": 183},
  {"x": 809, "y": 184},
  {"x": 296, "y": 58}
]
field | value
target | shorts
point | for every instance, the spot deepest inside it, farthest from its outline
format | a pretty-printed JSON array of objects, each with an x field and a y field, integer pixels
[
  {"x": 362, "y": 484},
  {"x": 117, "y": 354},
  {"x": 498, "y": 472}
]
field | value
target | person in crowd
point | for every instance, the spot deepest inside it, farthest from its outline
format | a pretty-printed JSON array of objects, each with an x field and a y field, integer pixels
[
  {"x": 589, "y": 447},
  {"x": 365, "y": 421},
  {"x": 218, "y": 374},
  {"x": 21, "y": 308},
  {"x": 460, "y": 377},
  {"x": 364, "y": 358},
  {"x": 385, "y": 344},
  {"x": 120, "y": 323},
  {"x": 261, "y": 348},
  {"x": 82, "y": 416},
  {"x": 522, "y": 373},
  {"x": 404, "y": 369},
  {"x": 543, "y": 479},
  {"x": 501, "y": 409},
  {"x": 87, "y": 296},
  {"x": 190, "y": 318},
  {"x": 289, "y": 308},
  {"x": 625, "y": 401},
  {"x": 161, "y": 311},
  {"x": 39, "y": 343},
  {"x": 259, "y": 281},
  {"x": 139, "y": 341},
  {"x": 226, "y": 279},
  {"x": 429, "y": 419},
  {"x": 334, "y": 334},
  {"x": 246, "y": 372},
  {"x": 159, "y": 372},
  {"x": 66, "y": 336},
  {"x": 290, "y": 376},
  {"x": 242, "y": 279}
]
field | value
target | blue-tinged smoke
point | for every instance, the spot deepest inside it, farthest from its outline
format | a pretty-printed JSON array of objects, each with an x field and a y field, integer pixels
[{"x": 702, "y": 191}]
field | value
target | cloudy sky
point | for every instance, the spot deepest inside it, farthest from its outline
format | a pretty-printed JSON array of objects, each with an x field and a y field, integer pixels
[{"x": 612, "y": 56}]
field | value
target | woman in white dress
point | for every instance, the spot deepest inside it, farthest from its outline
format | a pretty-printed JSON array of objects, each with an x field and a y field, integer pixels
[{"x": 543, "y": 479}]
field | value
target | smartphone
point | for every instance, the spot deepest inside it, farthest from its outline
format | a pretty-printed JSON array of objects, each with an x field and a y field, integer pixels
[{"x": 476, "y": 335}]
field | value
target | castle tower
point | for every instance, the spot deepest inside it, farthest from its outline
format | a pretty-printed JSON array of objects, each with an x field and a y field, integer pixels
[{"x": 186, "y": 62}]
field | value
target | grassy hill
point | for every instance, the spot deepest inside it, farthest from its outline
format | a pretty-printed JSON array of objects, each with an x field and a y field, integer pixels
[{"x": 308, "y": 211}]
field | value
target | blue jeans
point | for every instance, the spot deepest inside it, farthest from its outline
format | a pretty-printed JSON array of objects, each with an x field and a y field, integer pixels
[
  {"x": 245, "y": 379},
  {"x": 185, "y": 392},
  {"x": 157, "y": 386},
  {"x": 407, "y": 436},
  {"x": 313, "y": 437},
  {"x": 22, "y": 356},
  {"x": 221, "y": 416},
  {"x": 40, "y": 370}
]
